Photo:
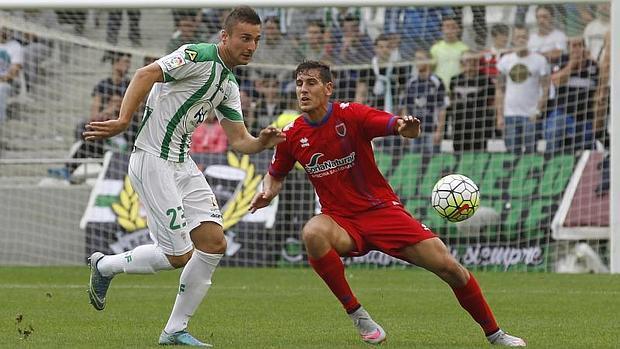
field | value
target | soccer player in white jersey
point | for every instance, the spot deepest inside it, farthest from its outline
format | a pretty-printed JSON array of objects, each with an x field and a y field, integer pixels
[{"x": 183, "y": 216}]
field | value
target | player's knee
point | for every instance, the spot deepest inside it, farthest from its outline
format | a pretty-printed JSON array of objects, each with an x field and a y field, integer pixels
[
  {"x": 313, "y": 232},
  {"x": 179, "y": 261},
  {"x": 212, "y": 245}
]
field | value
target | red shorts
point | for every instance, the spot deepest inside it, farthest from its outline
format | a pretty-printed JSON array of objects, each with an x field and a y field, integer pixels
[{"x": 388, "y": 230}]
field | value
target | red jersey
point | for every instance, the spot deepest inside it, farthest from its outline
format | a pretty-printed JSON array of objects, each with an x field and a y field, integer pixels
[{"x": 338, "y": 158}]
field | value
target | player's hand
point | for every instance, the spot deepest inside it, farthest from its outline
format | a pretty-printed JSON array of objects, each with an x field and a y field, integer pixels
[
  {"x": 260, "y": 200},
  {"x": 270, "y": 136},
  {"x": 409, "y": 126},
  {"x": 96, "y": 130}
]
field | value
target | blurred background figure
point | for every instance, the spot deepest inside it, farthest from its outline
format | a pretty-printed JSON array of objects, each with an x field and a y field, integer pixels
[{"x": 115, "y": 22}]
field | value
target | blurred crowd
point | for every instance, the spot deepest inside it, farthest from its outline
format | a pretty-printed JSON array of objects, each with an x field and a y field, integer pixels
[{"x": 516, "y": 81}]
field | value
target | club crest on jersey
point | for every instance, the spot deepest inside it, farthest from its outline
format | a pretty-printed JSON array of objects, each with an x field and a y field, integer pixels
[{"x": 341, "y": 129}]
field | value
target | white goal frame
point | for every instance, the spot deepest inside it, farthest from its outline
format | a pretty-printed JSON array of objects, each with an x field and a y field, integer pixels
[{"x": 614, "y": 128}]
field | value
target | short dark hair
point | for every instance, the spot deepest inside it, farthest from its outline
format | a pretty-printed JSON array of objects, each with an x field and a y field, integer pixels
[
  {"x": 454, "y": 18},
  {"x": 273, "y": 19},
  {"x": 521, "y": 27},
  {"x": 115, "y": 56},
  {"x": 241, "y": 14},
  {"x": 316, "y": 24},
  {"x": 549, "y": 8},
  {"x": 382, "y": 37},
  {"x": 500, "y": 28},
  {"x": 325, "y": 72}
]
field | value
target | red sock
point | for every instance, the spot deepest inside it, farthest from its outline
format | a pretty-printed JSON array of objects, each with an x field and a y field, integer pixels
[
  {"x": 471, "y": 299},
  {"x": 331, "y": 270}
]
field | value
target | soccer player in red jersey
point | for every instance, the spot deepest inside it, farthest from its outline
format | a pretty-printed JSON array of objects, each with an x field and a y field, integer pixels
[{"x": 360, "y": 211}]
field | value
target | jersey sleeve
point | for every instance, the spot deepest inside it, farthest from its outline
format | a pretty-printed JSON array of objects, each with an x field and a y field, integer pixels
[
  {"x": 282, "y": 162},
  {"x": 230, "y": 108},
  {"x": 375, "y": 123},
  {"x": 178, "y": 65}
]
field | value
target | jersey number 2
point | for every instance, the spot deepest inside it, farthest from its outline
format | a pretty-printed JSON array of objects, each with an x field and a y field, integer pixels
[{"x": 172, "y": 213}]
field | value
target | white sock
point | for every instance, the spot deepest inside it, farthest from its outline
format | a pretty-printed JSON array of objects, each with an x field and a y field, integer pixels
[
  {"x": 194, "y": 284},
  {"x": 145, "y": 259}
]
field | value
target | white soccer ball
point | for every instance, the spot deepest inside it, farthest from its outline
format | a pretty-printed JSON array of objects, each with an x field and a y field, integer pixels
[{"x": 455, "y": 197}]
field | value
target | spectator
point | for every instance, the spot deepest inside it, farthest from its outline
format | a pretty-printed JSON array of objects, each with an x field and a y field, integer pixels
[
  {"x": 115, "y": 18},
  {"x": 248, "y": 106},
  {"x": 11, "y": 61},
  {"x": 186, "y": 33},
  {"x": 548, "y": 41},
  {"x": 177, "y": 14},
  {"x": 211, "y": 22},
  {"x": 275, "y": 48},
  {"x": 500, "y": 34},
  {"x": 355, "y": 47},
  {"x": 479, "y": 23},
  {"x": 419, "y": 26},
  {"x": 77, "y": 18},
  {"x": 426, "y": 98},
  {"x": 447, "y": 52},
  {"x": 594, "y": 33},
  {"x": 209, "y": 137},
  {"x": 569, "y": 124},
  {"x": 107, "y": 96},
  {"x": 315, "y": 47},
  {"x": 521, "y": 93},
  {"x": 394, "y": 45},
  {"x": 269, "y": 104},
  {"x": 37, "y": 50},
  {"x": 383, "y": 79},
  {"x": 471, "y": 106},
  {"x": 297, "y": 20}
]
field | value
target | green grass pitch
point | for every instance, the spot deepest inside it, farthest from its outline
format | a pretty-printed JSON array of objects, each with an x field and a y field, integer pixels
[{"x": 291, "y": 308}]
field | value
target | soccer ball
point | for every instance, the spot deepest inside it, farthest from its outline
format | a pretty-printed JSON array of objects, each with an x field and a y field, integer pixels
[{"x": 455, "y": 197}]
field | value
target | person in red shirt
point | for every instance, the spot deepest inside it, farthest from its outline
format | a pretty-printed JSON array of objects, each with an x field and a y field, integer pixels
[{"x": 360, "y": 211}]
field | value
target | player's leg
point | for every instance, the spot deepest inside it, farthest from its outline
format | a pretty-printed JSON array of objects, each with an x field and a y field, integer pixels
[
  {"x": 433, "y": 255},
  {"x": 205, "y": 221},
  {"x": 325, "y": 241},
  {"x": 153, "y": 179}
]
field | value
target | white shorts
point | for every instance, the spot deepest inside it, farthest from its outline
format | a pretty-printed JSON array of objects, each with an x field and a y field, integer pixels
[{"x": 177, "y": 198}]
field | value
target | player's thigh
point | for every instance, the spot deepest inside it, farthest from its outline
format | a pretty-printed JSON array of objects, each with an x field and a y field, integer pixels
[
  {"x": 322, "y": 229},
  {"x": 202, "y": 211},
  {"x": 199, "y": 201},
  {"x": 154, "y": 181},
  {"x": 433, "y": 255}
]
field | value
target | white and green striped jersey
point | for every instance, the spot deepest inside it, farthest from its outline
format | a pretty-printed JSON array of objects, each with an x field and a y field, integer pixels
[{"x": 196, "y": 82}]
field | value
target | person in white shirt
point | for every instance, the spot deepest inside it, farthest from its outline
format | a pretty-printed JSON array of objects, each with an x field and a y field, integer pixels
[
  {"x": 11, "y": 61},
  {"x": 521, "y": 93},
  {"x": 548, "y": 41},
  {"x": 594, "y": 33}
]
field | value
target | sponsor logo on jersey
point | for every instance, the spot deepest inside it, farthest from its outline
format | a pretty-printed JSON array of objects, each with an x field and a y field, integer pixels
[
  {"x": 344, "y": 105},
  {"x": 341, "y": 129},
  {"x": 327, "y": 167},
  {"x": 174, "y": 60},
  {"x": 304, "y": 142}
]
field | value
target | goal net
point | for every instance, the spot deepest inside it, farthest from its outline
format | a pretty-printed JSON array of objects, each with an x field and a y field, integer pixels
[{"x": 516, "y": 97}]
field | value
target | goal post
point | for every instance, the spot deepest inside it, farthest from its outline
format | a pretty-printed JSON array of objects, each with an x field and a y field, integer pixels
[{"x": 526, "y": 198}]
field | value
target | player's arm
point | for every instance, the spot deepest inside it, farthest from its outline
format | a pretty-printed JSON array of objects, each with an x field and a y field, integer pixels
[
  {"x": 140, "y": 85},
  {"x": 377, "y": 123},
  {"x": 241, "y": 140},
  {"x": 270, "y": 189},
  {"x": 230, "y": 115}
]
